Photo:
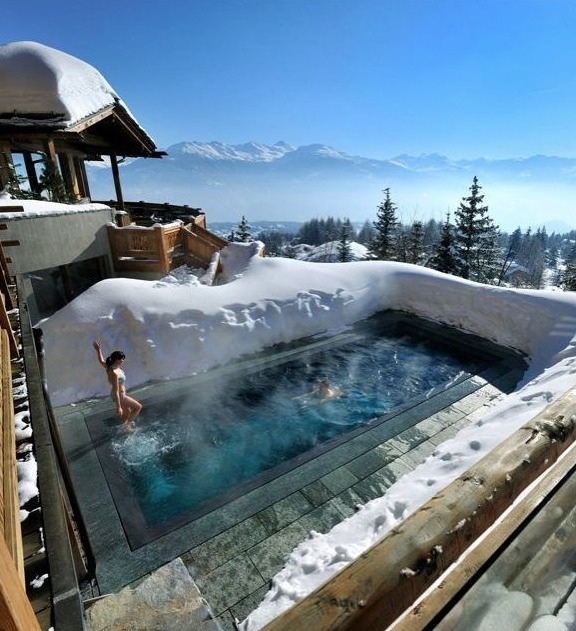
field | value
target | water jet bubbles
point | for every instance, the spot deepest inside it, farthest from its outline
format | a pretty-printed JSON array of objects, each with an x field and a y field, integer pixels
[{"x": 142, "y": 446}]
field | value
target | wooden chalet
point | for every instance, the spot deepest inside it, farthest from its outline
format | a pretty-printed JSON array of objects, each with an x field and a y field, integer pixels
[
  {"x": 46, "y": 112},
  {"x": 58, "y": 110}
]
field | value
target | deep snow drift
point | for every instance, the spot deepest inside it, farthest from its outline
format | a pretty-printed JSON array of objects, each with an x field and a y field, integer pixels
[
  {"x": 177, "y": 326},
  {"x": 37, "y": 79}
]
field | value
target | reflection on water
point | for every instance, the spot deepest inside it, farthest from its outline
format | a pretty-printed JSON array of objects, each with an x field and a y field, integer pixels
[{"x": 185, "y": 452}]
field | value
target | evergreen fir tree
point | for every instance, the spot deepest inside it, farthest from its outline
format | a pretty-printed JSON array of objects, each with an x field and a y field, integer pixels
[
  {"x": 243, "y": 231},
  {"x": 552, "y": 256},
  {"x": 569, "y": 275},
  {"x": 51, "y": 181},
  {"x": 309, "y": 232},
  {"x": 366, "y": 233},
  {"x": 414, "y": 243},
  {"x": 344, "y": 249},
  {"x": 383, "y": 244},
  {"x": 332, "y": 229},
  {"x": 476, "y": 239},
  {"x": 15, "y": 183},
  {"x": 444, "y": 259}
]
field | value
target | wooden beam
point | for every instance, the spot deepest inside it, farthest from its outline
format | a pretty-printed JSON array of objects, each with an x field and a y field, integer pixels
[
  {"x": 11, "y": 516},
  {"x": 80, "y": 169},
  {"x": 69, "y": 174},
  {"x": 117, "y": 185},
  {"x": 92, "y": 120},
  {"x": 465, "y": 572},
  {"x": 16, "y": 611},
  {"x": 31, "y": 172}
]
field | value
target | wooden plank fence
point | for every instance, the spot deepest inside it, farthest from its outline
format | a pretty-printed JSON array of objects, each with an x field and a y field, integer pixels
[
  {"x": 385, "y": 581},
  {"x": 162, "y": 248},
  {"x": 16, "y": 613}
]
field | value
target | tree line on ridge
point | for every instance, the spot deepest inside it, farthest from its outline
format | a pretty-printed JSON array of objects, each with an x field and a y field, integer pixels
[{"x": 469, "y": 245}]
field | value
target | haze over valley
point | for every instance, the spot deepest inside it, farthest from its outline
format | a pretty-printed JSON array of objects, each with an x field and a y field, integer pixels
[{"x": 284, "y": 182}]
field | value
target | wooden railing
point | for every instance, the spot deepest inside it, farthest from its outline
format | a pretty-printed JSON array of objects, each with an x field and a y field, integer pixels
[
  {"x": 161, "y": 249},
  {"x": 387, "y": 579},
  {"x": 139, "y": 249},
  {"x": 143, "y": 213},
  {"x": 200, "y": 244},
  {"x": 16, "y": 612},
  {"x": 9, "y": 505}
]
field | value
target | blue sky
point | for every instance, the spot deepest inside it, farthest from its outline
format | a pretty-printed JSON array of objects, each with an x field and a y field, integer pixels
[{"x": 465, "y": 78}]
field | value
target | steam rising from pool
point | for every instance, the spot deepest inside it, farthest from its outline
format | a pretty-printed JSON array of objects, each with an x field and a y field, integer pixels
[{"x": 228, "y": 431}]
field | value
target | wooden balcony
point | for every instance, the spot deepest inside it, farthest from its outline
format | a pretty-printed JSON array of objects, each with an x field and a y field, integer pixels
[{"x": 161, "y": 248}]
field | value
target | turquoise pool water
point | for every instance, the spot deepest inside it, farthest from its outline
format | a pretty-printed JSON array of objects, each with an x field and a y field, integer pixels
[{"x": 230, "y": 432}]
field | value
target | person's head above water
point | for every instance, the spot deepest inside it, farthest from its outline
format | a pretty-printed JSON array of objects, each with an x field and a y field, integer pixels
[
  {"x": 115, "y": 356},
  {"x": 323, "y": 385}
]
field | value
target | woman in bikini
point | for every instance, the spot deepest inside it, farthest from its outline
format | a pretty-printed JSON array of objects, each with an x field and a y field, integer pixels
[{"x": 127, "y": 408}]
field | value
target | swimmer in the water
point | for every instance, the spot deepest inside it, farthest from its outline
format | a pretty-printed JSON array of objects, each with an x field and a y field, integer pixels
[
  {"x": 323, "y": 392},
  {"x": 127, "y": 408}
]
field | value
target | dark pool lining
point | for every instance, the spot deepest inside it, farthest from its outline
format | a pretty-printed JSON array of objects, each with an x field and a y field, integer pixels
[{"x": 139, "y": 533}]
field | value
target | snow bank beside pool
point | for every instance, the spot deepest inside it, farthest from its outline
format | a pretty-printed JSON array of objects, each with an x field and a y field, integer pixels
[{"x": 170, "y": 330}]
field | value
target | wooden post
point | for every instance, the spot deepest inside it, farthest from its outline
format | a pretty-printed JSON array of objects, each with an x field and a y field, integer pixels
[
  {"x": 31, "y": 172},
  {"x": 6, "y": 326},
  {"x": 117, "y": 185},
  {"x": 81, "y": 176},
  {"x": 16, "y": 611},
  {"x": 69, "y": 174},
  {"x": 162, "y": 241},
  {"x": 6, "y": 164},
  {"x": 51, "y": 151},
  {"x": 5, "y": 280}
]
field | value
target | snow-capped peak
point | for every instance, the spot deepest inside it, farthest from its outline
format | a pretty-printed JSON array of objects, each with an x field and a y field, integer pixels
[{"x": 247, "y": 152}]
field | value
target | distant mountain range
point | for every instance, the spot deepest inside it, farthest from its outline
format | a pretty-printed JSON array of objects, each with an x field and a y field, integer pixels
[{"x": 283, "y": 182}]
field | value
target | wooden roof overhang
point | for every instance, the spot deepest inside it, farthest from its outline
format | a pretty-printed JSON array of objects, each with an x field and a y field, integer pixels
[{"x": 110, "y": 131}]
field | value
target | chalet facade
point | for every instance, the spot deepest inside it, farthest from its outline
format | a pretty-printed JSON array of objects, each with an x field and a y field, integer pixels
[
  {"x": 58, "y": 108},
  {"x": 56, "y": 113}
]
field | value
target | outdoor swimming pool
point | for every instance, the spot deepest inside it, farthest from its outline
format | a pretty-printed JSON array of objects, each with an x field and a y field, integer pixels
[{"x": 236, "y": 428}]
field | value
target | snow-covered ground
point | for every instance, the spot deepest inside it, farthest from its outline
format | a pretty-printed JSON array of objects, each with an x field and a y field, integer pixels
[{"x": 329, "y": 252}]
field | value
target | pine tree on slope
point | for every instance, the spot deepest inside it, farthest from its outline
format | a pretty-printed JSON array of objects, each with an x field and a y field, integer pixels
[
  {"x": 444, "y": 259},
  {"x": 344, "y": 249},
  {"x": 476, "y": 239},
  {"x": 383, "y": 244}
]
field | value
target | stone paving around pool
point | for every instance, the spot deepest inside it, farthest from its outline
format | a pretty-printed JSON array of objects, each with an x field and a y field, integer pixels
[{"x": 232, "y": 570}]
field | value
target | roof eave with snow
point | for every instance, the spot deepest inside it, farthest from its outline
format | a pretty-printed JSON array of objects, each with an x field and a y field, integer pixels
[{"x": 46, "y": 90}]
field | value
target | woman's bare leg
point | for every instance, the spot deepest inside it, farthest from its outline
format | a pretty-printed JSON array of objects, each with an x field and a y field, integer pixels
[{"x": 132, "y": 407}]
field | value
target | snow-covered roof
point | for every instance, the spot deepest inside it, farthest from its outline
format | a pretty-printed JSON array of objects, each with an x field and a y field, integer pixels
[
  {"x": 40, "y": 83},
  {"x": 38, "y": 208},
  {"x": 47, "y": 90}
]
